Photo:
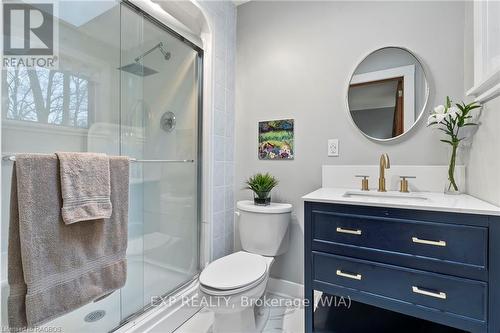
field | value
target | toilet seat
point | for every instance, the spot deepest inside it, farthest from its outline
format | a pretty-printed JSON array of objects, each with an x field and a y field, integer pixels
[
  {"x": 233, "y": 274},
  {"x": 225, "y": 292}
]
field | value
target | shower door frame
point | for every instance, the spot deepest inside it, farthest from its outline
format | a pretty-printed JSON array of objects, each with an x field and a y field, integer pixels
[{"x": 199, "y": 153}]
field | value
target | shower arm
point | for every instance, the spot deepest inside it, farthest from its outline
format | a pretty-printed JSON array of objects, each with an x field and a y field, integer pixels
[{"x": 157, "y": 46}]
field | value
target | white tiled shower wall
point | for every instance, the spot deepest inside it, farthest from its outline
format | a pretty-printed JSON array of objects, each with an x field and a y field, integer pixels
[{"x": 222, "y": 19}]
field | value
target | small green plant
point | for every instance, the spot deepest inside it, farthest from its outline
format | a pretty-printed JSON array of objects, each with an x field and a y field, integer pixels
[{"x": 261, "y": 184}]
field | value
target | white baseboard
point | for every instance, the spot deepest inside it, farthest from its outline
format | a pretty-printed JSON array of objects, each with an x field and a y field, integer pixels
[{"x": 285, "y": 288}]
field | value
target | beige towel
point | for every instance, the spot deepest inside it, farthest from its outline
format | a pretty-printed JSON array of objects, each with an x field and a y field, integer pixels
[
  {"x": 85, "y": 186},
  {"x": 55, "y": 268}
]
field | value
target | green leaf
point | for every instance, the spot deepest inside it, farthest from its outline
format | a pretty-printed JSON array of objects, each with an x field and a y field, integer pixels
[
  {"x": 469, "y": 124},
  {"x": 446, "y": 141},
  {"x": 261, "y": 184},
  {"x": 460, "y": 107},
  {"x": 445, "y": 130}
]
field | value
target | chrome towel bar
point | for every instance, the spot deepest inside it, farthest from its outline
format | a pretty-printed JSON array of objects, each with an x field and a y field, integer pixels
[{"x": 12, "y": 157}]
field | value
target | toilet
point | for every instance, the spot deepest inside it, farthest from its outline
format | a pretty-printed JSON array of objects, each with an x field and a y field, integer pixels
[{"x": 232, "y": 284}]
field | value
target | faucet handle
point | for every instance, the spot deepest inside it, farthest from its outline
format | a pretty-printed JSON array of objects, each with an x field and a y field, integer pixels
[
  {"x": 403, "y": 184},
  {"x": 364, "y": 182}
]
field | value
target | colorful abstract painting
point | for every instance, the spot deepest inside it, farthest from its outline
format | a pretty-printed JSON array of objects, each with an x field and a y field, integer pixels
[{"x": 276, "y": 140}]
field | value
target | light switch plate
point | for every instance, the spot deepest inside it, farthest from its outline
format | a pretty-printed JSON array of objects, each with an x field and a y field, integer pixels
[{"x": 333, "y": 147}]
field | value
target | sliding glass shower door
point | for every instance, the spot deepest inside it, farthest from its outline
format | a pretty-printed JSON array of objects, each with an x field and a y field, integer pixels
[
  {"x": 159, "y": 128},
  {"x": 126, "y": 85}
]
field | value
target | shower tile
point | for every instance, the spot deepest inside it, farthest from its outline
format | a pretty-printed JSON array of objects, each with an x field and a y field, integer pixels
[
  {"x": 229, "y": 231},
  {"x": 230, "y": 104},
  {"x": 230, "y": 17},
  {"x": 229, "y": 197},
  {"x": 219, "y": 224},
  {"x": 222, "y": 16},
  {"x": 229, "y": 150},
  {"x": 219, "y": 142},
  {"x": 218, "y": 199},
  {"x": 220, "y": 97},
  {"x": 219, "y": 247},
  {"x": 219, "y": 178},
  {"x": 229, "y": 7},
  {"x": 229, "y": 124},
  {"x": 220, "y": 21},
  {"x": 220, "y": 45},
  {"x": 230, "y": 73},
  {"x": 220, "y": 71},
  {"x": 229, "y": 222},
  {"x": 230, "y": 68},
  {"x": 219, "y": 122},
  {"x": 229, "y": 174},
  {"x": 229, "y": 243}
]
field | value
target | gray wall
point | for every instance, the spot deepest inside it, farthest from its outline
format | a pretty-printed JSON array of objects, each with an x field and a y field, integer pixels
[{"x": 294, "y": 60}]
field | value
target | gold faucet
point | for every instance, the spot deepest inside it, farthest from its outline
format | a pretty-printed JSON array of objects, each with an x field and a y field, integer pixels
[{"x": 385, "y": 163}]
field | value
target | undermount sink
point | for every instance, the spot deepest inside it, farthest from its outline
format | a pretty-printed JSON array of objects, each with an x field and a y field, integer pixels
[{"x": 390, "y": 195}]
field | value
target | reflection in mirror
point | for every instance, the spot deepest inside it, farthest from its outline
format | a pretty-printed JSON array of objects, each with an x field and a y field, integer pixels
[{"x": 387, "y": 93}]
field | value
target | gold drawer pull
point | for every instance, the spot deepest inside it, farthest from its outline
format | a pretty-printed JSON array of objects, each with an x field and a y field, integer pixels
[
  {"x": 349, "y": 276},
  {"x": 428, "y": 242},
  {"x": 349, "y": 231},
  {"x": 439, "y": 294}
]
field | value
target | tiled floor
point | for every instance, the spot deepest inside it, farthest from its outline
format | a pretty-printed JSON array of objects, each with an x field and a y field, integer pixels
[{"x": 281, "y": 319}]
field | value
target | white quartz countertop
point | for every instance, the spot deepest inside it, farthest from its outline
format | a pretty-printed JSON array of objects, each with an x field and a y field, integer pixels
[{"x": 434, "y": 201}]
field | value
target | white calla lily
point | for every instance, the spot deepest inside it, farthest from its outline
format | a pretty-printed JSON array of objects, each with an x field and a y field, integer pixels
[
  {"x": 436, "y": 118},
  {"x": 440, "y": 109},
  {"x": 431, "y": 119}
]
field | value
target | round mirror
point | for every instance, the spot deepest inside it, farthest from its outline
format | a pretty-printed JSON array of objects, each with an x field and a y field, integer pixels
[{"x": 387, "y": 93}]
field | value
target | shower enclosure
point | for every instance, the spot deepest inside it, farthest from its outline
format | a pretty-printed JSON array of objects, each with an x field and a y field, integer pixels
[{"x": 125, "y": 85}]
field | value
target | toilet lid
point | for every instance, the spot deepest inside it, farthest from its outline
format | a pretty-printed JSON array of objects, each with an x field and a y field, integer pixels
[{"x": 234, "y": 271}]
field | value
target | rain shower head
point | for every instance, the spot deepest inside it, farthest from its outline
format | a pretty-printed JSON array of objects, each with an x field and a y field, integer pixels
[{"x": 139, "y": 69}]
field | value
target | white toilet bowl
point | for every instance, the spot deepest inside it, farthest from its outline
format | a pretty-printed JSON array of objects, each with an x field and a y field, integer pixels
[{"x": 234, "y": 283}]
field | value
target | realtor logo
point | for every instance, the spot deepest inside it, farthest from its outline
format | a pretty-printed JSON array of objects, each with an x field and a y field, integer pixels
[{"x": 28, "y": 34}]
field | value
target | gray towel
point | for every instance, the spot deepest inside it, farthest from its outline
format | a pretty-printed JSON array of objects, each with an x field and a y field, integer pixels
[
  {"x": 54, "y": 268},
  {"x": 85, "y": 186}
]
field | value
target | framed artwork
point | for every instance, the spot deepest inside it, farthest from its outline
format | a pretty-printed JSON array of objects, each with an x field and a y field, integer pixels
[{"x": 276, "y": 140}]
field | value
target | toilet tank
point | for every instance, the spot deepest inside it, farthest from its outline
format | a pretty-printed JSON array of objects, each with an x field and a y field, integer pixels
[{"x": 264, "y": 230}]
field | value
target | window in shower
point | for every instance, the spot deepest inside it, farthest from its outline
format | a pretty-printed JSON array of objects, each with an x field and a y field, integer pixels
[{"x": 47, "y": 96}]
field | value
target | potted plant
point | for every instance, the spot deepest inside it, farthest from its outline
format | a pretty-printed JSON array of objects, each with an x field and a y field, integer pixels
[
  {"x": 261, "y": 185},
  {"x": 451, "y": 119}
]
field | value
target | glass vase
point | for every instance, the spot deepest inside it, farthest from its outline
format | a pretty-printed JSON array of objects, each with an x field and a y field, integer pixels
[
  {"x": 452, "y": 186},
  {"x": 262, "y": 199}
]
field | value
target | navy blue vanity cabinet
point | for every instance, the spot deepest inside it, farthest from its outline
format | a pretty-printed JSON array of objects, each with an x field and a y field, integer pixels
[{"x": 438, "y": 266}]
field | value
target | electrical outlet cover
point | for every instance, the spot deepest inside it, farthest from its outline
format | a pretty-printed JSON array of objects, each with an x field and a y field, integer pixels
[{"x": 333, "y": 147}]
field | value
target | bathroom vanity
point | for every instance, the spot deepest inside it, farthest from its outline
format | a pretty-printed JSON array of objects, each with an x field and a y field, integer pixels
[{"x": 428, "y": 255}]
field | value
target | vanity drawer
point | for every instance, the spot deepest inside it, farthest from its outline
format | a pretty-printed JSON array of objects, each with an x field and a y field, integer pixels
[
  {"x": 441, "y": 292},
  {"x": 460, "y": 244}
]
